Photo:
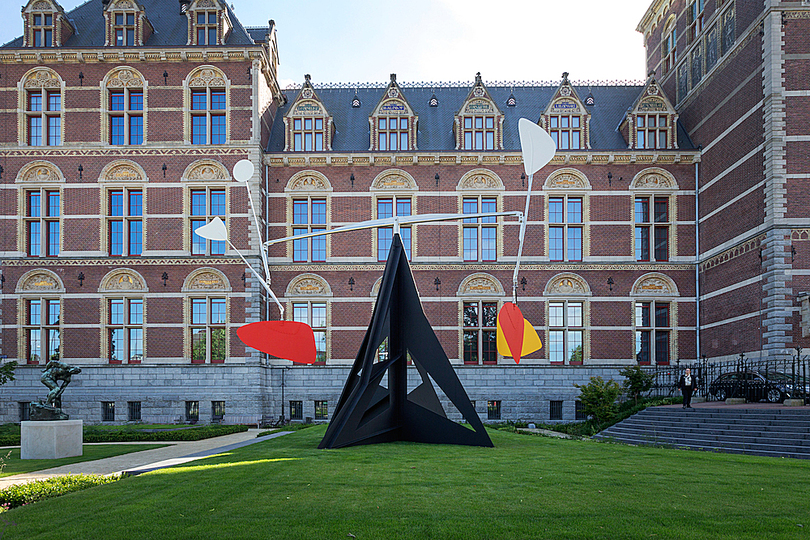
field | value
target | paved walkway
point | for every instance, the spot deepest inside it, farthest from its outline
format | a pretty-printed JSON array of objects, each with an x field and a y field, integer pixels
[{"x": 178, "y": 452}]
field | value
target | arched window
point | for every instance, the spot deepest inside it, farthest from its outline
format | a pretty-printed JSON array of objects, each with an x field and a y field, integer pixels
[
  {"x": 207, "y": 316},
  {"x": 568, "y": 210},
  {"x": 480, "y": 191},
  {"x": 568, "y": 319},
  {"x": 207, "y": 114},
  {"x": 480, "y": 296},
  {"x": 41, "y": 198},
  {"x": 41, "y": 106},
  {"x": 308, "y": 302},
  {"x": 123, "y": 316},
  {"x": 40, "y": 311},
  {"x": 125, "y": 107}
]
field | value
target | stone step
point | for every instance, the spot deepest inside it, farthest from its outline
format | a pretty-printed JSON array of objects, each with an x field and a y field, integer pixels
[
  {"x": 720, "y": 425},
  {"x": 759, "y": 450},
  {"x": 732, "y": 436}
]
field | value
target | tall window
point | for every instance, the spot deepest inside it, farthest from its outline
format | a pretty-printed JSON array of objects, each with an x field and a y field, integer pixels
[
  {"x": 652, "y": 228},
  {"x": 313, "y": 314},
  {"x": 480, "y": 328},
  {"x": 44, "y": 117},
  {"x": 42, "y": 225},
  {"x": 208, "y": 116},
  {"x": 125, "y": 330},
  {"x": 652, "y": 332},
  {"x": 566, "y": 132},
  {"x": 566, "y": 329},
  {"x": 386, "y": 208},
  {"x": 296, "y": 410},
  {"x": 565, "y": 228},
  {"x": 192, "y": 411},
  {"x": 205, "y": 205},
  {"x": 43, "y": 336},
  {"x": 209, "y": 317},
  {"x": 126, "y": 116},
  {"x": 729, "y": 35},
  {"x": 125, "y": 222},
  {"x": 309, "y": 215},
  {"x": 308, "y": 134},
  {"x": 124, "y": 29},
  {"x": 206, "y": 27},
  {"x": 694, "y": 20},
  {"x": 217, "y": 411},
  {"x": 479, "y": 132},
  {"x": 108, "y": 411},
  {"x": 669, "y": 51},
  {"x": 321, "y": 410},
  {"x": 42, "y": 29},
  {"x": 392, "y": 133},
  {"x": 133, "y": 411},
  {"x": 651, "y": 131},
  {"x": 480, "y": 234}
]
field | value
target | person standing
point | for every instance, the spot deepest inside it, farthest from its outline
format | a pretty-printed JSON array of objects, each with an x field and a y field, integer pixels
[{"x": 687, "y": 384}]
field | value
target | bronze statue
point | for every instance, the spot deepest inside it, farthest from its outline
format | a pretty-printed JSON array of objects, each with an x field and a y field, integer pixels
[{"x": 51, "y": 408}]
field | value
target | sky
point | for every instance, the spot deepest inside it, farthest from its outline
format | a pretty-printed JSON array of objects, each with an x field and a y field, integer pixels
[{"x": 355, "y": 41}]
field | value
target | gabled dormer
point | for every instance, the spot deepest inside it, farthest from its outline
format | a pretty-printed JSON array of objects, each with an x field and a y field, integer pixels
[
  {"x": 308, "y": 127},
  {"x": 208, "y": 22},
  {"x": 392, "y": 121},
  {"x": 566, "y": 119},
  {"x": 125, "y": 23},
  {"x": 479, "y": 122},
  {"x": 45, "y": 24},
  {"x": 651, "y": 123}
]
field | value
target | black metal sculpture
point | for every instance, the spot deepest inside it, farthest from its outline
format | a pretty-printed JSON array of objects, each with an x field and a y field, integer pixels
[
  {"x": 368, "y": 412},
  {"x": 51, "y": 407}
]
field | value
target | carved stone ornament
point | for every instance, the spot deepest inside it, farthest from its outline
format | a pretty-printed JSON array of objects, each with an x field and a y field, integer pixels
[
  {"x": 40, "y": 171},
  {"x": 482, "y": 284},
  {"x": 566, "y": 181},
  {"x": 567, "y": 285},
  {"x": 124, "y": 281},
  {"x": 478, "y": 91},
  {"x": 206, "y": 170},
  {"x": 125, "y": 78},
  {"x": 42, "y": 6},
  {"x": 307, "y": 108},
  {"x": 42, "y": 78},
  {"x": 479, "y": 106},
  {"x": 308, "y": 183},
  {"x": 653, "y": 181},
  {"x": 206, "y": 4},
  {"x": 565, "y": 91},
  {"x": 393, "y": 180},
  {"x": 308, "y": 286},
  {"x": 206, "y": 281},
  {"x": 124, "y": 4},
  {"x": 207, "y": 77},
  {"x": 123, "y": 173},
  {"x": 653, "y": 286},
  {"x": 40, "y": 281},
  {"x": 480, "y": 181},
  {"x": 652, "y": 104},
  {"x": 393, "y": 92},
  {"x": 652, "y": 90},
  {"x": 307, "y": 93}
]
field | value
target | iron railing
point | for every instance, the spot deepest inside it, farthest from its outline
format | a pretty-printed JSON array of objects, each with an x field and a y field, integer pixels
[{"x": 753, "y": 379}]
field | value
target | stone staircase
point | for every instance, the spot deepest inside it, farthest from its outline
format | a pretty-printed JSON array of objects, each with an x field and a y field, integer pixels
[{"x": 762, "y": 432}]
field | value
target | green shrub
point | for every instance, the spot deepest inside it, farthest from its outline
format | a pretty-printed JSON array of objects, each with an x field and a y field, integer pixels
[
  {"x": 9, "y": 435},
  {"x": 94, "y": 434},
  {"x": 636, "y": 381},
  {"x": 38, "y": 490},
  {"x": 599, "y": 397}
]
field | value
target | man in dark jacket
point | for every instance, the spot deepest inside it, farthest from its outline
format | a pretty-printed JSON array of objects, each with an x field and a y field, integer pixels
[{"x": 687, "y": 384}]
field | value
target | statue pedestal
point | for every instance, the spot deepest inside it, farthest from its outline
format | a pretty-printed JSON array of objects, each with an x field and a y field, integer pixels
[{"x": 51, "y": 439}]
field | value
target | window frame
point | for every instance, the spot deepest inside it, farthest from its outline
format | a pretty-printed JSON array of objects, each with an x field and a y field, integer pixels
[
  {"x": 566, "y": 328},
  {"x": 564, "y": 135},
  {"x": 471, "y": 129},
  {"x": 42, "y": 219},
  {"x": 304, "y": 250},
  {"x": 653, "y": 328},
  {"x": 299, "y": 132},
  {"x": 43, "y": 29},
  {"x": 649, "y": 243},
  {"x": 567, "y": 227},
  {"x": 49, "y": 323},
  {"x": 385, "y": 235},
  {"x": 210, "y": 118},
  {"x": 470, "y": 204},
  {"x": 206, "y": 27},
  {"x": 649, "y": 137},
  {"x": 44, "y": 113},
  {"x": 212, "y": 248},
  {"x": 208, "y": 326},
  {"x": 126, "y": 325},
  {"x": 400, "y": 134},
  {"x": 304, "y": 311},
  {"x": 132, "y": 225},
  {"x": 124, "y": 30},
  {"x": 486, "y": 351}
]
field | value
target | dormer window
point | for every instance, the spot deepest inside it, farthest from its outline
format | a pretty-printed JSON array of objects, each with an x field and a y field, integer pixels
[
  {"x": 651, "y": 131},
  {"x": 392, "y": 133},
  {"x": 206, "y": 28},
  {"x": 479, "y": 122},
  {"x": 308, "y": 134},
  {"x": 124, "y": 29},
  {"x": 566, "y": 131},
  {"x": 42, "y": 30},
  {"x": 479, "y": 133},
  {"x": 393, "y": 122}
]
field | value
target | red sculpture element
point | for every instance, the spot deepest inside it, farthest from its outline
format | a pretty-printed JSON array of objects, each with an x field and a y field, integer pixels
[
  {"x": 510, "y": 322},
  {"x": 285, "y": 339}
]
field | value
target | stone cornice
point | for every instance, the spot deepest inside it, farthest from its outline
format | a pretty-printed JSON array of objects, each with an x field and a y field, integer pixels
[
  {"x": 126, "y": 261},
  {"x": 30, "y": 55},
  {"x": 478, "y": 267},
  {"x": 119, "y": 152},
  {"x": 674, "y": 157}
]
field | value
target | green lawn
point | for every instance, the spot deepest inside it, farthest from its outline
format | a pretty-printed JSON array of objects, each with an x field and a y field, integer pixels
[
  {"x": 525, "y": 487},
  {"x": 15, "y": 465}
]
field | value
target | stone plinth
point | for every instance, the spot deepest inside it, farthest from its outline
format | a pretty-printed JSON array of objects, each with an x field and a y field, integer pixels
[
  {"x": 51, "y": 439},
  {"x": 735, "y": 401},
  {"x": 794, "y": 402}
]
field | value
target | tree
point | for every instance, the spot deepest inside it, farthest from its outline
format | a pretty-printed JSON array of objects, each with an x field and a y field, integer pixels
[
  {"x": 636, "y": 381},
  {"x": 7, "y": 372},
  {"x": 598, "y": 398}
]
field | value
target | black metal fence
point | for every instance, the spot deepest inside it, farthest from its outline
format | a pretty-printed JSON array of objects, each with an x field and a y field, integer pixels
[{"x": 753, "y": 379}]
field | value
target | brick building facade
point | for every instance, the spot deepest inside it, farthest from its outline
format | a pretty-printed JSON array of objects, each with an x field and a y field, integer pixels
[{"x": 130, "y": 116}]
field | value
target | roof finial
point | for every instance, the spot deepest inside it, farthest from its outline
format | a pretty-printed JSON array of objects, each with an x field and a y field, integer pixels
[
  {"x": 565, "y": 77},
  {"x": 393, "y": 77},
  {"x": 307, "y": 78},
  {"x": 478, "y": 78}
]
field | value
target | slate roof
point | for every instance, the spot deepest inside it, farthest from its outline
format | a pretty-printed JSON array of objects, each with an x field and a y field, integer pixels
[
  {"x": 171, "y": 27},
  {"x": 435, "y": 126}
]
